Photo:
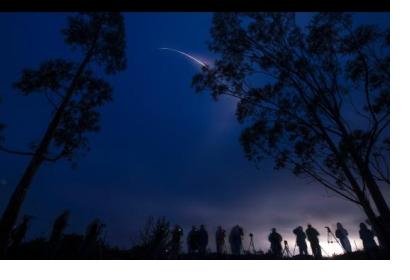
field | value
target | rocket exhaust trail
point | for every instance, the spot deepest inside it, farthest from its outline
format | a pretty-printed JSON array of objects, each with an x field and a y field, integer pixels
[{"x": 194, "y": 59}]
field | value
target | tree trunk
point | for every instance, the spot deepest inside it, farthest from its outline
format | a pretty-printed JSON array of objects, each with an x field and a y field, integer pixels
[
  {"x": 383, "y": 223},
  {"x": 382, "y": 235},
  {"x": 368, "y": 178},
  {"x": 11, "y": 213},
  {"x": 381, "y": 229},
  {"x": 377, "y": 195}
]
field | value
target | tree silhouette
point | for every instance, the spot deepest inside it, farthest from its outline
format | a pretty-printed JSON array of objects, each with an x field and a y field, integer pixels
[
  {"x": 153, "y": 240},
  {"x": 92, "y": 240},
  {"x": 75, "y": 94},
  {"x": 59, "y": 225},
  {"x": 18, "y": 234},
  {"x": 314, "y": 99}
]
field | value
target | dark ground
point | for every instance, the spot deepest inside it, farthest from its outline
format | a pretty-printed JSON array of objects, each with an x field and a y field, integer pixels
[{"x": 72, "y": 250}]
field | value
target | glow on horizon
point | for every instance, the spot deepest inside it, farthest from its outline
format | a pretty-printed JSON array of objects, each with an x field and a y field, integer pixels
[{"x": 328, "y": 249}]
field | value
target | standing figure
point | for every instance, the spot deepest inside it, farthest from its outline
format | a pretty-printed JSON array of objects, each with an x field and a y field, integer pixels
[
  {"x": 202, "y": 240},
  {"x": 176, "y": 237},
  {"x": 367, "y": 236},
  {"x": 342, "y": 234},
  {"x": 312, "y": 235},
  {"x": 235, "y": 240},
  {"x": 301, "y": 240},
  {"x": 192, "y": 240},
  {"x": 275, "y": 240},
  {"x": 220, "y": 240}
]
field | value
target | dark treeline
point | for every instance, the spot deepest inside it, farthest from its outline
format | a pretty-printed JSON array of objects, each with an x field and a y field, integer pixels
[{"x": 160, "y": 240}]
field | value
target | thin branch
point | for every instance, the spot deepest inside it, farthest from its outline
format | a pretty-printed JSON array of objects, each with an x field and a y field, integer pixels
[
  {"x": 20, "y": 153},
  {"x": 15, "y": 152},
  {"x": 325, "y": 183}
]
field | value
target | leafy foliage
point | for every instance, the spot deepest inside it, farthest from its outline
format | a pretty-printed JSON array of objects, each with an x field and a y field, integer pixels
[
  {"x": 104, "y": 33},
  {"x": 101, "y": 38},
  {"x": 314, "y": 99},
  {"x": 81, "y": 115}
]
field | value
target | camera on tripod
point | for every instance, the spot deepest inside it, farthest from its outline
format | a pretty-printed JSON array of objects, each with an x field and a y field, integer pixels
[
  {"x": 251, "y": 248},
  {"x": 331, "y": 237}
]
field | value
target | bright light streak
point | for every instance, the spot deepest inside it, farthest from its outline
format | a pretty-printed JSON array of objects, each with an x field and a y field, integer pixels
[{"x": 196, "y": 60}]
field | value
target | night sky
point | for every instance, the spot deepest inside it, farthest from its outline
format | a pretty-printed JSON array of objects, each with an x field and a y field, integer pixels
[{"x": 162, "y": 150}]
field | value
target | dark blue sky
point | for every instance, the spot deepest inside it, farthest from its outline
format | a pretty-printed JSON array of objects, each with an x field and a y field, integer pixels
[{"x": 162, "y": 150}]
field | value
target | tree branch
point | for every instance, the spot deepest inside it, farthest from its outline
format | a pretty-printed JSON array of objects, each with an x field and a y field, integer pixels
[{"x": 20, "y": 153}]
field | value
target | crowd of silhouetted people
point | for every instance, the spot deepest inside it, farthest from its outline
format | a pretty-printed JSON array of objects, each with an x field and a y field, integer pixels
[
  {"x": 161, "y": 241},
  {"x": 197, "y": 240}
]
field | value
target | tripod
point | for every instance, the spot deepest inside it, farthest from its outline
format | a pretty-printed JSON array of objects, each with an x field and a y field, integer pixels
[
  {"x": 294, "y": 248},
  {"x": 286, "y": 252},
  {"x": 331, "y": 236},
  {"x": 251, "y": 244},
  {"x": 321, "y": 248},
  {"x": 225, "y": 249}
]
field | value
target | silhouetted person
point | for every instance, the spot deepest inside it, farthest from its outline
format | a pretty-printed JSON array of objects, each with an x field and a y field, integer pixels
[
  {"x": 202, "y": 239},
  {"x": 301, "y": 240},
  {"x": 367, "y": 236},
  {"x": 342, "y": 234},
  {"x": 312, "y": 235},
  {"x": 235, "y": 240},
  {"x": 220, "y": 240},
  {"x": 192, "y": 240},
  {"x": 176, "y": 237},
  {"x": 275, "y": 240}
]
